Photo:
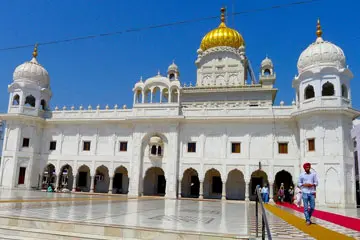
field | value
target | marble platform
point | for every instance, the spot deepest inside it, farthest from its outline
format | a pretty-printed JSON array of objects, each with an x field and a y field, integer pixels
[{"x": 74, "y": 216}]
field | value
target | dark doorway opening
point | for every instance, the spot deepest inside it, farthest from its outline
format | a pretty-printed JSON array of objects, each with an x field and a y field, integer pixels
[
  {"x": 118, "y": 182},
  {"x": 83, "y": 176},
  {"x": 194, "y": 186},
  {"x": 161, "y": 185},
  {"x": 216, "y": 184},
  {"x": 357, "y": 184},
  {"x": 285, "y": 178},
  {"x": 22, "y": 175}
]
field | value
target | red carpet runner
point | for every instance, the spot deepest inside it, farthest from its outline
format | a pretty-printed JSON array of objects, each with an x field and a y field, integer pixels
[{"x": 348, "y": 222}]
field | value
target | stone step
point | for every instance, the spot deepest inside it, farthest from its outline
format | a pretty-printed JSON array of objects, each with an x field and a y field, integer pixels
[
  {"x": 11, "y": 232},
  {"x": 61, "y": 230}
]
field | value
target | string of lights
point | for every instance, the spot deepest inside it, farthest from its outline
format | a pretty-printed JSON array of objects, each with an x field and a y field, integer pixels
[{"x": 158, "y": 26}]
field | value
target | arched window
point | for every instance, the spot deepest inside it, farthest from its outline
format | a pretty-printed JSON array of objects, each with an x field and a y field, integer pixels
[
  {"x": 328, "y": 89},
  {"x": 138, "y": 96},
  {"x": 165, "y": 95},
  {"x": 309, "y": 92},
  {"x": 16, "y": 100},
  {"x": 153, "y": 150},
  {"x": 344, "y": 91},
  {"x": 267, "y": 72},
  {"x": 43, "y": 104},
  {"x": 30, "y": 101},
  {"x": 159, "y": 151},
  {"x": 172, "y": 76},
  {"x": 147, "y": 97}
]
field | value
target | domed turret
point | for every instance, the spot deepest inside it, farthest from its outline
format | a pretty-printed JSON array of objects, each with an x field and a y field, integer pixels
[
  {"x": 32, "y": 71},
  {"x": 30, "y": 91},
  {"x": 173, "y": 72},
  {"x": 267, "y": 63},
  {"x": 321, "y": 53},
  {"x": 222, "y": 36}
]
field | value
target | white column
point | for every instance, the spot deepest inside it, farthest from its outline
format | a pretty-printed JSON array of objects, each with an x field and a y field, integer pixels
[
  {"x": 57, "y": 182},
  {"x": 179, "y": 191},
  {"x": 111, "y": 184},
  {"x": 142, "y": 96},
  {"x": 247, "y": 186},
  {"x": 92, "y": 184},
  {"x": 271, "y": 192},
  {"x": 201, "y": 191},
  {"x": 170, "y": 96},
  {"x": 74, "y": 184},
  {"x": 223, "y": 194}
]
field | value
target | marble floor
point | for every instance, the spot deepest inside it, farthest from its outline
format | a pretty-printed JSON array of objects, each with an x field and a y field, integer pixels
[{"x": 220, "y": 217}]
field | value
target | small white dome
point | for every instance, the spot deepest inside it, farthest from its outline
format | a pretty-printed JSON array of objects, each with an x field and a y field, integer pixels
[
  {"x": 173, "y": 67},
  {"x": 155, "y": 140},
  {"x": 322, "y": 54},
  {"x": 32, "y": 71},
  {"x": 156, "y": 79},
  {"x": 267, "y": 63}
]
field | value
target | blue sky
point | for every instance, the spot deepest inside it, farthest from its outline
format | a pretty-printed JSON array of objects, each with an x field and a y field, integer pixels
[{"x": 104, "y": 70}]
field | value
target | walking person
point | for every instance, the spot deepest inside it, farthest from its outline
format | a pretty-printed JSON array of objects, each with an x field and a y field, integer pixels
[
  {"x": 281, "y": 193},
  {"x": 265, "y": 194},
  {"x": 298, "y": 197},
  {"x": 291, "y": 194},
  {"x": 308, "y": 182}
]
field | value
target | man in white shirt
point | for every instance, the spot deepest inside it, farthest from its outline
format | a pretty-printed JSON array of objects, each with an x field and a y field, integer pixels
[
  {"x": 308, "y": 183},
  {"x": 265, "y": 193}
]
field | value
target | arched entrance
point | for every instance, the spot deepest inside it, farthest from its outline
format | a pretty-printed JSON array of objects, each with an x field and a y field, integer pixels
[
  {"x": 120, "y": 181},
  {"x": 66, "y": 177},
  {"x": 154, "y": 182},
  {"x": 285, "y": 178},
  {"x": 49, "y": 176},
  {"x": 258, "y": 177},
  {"x": 83, "y": 179},
  {"x": 235, "y": 185},
  {"x": 101, "y": 180},
  {"x": 212, "y": 184},
  {"x": 190, "y": 184}
]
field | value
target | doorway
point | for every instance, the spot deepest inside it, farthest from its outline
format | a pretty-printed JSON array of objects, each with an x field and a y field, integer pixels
[
  {"x": 161, "y": 185},
  {"x": 194, "y": 186},
  {"x": 357, "y": 184}
]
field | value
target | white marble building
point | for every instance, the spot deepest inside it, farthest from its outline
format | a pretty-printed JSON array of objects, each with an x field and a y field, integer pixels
[{"x": 217, "y": 139}]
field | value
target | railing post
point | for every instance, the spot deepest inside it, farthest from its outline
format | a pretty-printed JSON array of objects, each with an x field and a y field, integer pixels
[
  {"x": 262, "y": 227},
  {"x": 257, "y": 213}
]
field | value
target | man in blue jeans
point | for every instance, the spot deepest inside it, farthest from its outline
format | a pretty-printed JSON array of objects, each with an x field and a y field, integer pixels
[{"x": 308, "y": 183}]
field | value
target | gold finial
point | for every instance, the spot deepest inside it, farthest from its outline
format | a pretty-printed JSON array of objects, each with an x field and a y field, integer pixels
[
  {"x": 35, "y": 53},
  {"x": 223, "y": 10},
  {"x": 318, "y": 28}
]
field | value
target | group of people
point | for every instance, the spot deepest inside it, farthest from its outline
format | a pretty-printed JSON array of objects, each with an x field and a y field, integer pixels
[{"x": 304, "y": 192}]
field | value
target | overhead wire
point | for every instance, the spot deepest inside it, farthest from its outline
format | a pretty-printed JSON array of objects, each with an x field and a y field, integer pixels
[{"x": 158, "y": 25}]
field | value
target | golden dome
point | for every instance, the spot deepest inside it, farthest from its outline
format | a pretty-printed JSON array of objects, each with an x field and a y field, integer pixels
[{"x": 222, "y": 36}]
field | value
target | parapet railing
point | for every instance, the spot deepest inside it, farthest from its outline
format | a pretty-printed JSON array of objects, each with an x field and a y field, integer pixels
[{"x": 264, "y": 221}]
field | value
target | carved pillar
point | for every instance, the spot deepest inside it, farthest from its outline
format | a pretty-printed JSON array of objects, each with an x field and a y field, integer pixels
[
  {"x": 201, "y": 191},
  {"x": 170, "y": 96},
  {"x": 223, "y": 192},
  {"x": 111, "y": 184},
  {"x": 57, "y": 181},
  {"x": 74, "y": 184},
  {"x": 142, "y": 96},
  {"x": 247, "y": 190},
  {"x": 271, "y": 191},
  {"x": 180, "y": 190},
  {"x": 92, "y": 178}
]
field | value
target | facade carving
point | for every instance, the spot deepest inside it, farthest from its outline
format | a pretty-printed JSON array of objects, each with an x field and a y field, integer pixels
[{"x": 216, "y": 139}]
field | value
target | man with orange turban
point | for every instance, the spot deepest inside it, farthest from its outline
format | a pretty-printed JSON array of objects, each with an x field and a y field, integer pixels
[{"x": 308, "y": 183}]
